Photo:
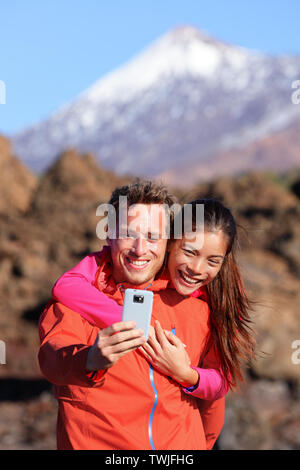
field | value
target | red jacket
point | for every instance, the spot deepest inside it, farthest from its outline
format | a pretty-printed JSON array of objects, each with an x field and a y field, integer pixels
[{"x": 130, "y": 405}]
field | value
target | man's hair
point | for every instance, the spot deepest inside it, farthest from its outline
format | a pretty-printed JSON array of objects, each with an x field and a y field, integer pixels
[{"x": 142, "y": 192}]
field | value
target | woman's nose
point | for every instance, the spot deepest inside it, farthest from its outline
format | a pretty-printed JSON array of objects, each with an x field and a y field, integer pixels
[{"x": 197, "y": 266}]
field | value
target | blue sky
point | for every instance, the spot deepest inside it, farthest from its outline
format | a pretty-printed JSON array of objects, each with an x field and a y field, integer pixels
[{"x": 52, "y": 50}]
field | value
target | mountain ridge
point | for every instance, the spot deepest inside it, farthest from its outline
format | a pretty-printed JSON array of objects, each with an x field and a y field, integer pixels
[{"x": 186, "y": 96}]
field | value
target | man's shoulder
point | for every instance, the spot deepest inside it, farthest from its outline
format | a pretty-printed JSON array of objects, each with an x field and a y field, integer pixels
[
  {"x": 55, "y": 314},
  {"x": 59, "y": 310}
]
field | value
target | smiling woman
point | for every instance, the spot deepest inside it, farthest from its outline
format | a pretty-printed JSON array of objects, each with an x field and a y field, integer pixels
[
  {"x": 194, "y": 262},
  {"x": 208, "y": 258}
]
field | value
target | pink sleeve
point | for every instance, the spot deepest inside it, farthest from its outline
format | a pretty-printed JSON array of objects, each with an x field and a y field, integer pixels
[
  {"x": 212, "y": 384},
  {"x": 75, "y": 290}
]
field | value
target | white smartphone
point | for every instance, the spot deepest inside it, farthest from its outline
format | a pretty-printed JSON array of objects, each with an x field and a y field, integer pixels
[{"x": 138, "y": 308}]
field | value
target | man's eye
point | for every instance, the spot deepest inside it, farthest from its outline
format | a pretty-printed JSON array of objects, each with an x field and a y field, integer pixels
[{"x": 153, "y": 237}]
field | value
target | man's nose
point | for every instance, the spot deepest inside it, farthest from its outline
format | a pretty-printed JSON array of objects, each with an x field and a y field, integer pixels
[{"x": 139, "y": 246}]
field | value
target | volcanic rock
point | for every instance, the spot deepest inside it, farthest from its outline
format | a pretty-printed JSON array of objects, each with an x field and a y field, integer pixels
[{"x": 17, "y": 183}]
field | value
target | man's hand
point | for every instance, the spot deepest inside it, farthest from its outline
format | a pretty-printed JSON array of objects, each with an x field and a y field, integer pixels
[{"x": 112, "y": 343}]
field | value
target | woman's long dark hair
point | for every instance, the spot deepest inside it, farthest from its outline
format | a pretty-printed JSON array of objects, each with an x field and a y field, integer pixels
[{"x": 232, "y": 333}]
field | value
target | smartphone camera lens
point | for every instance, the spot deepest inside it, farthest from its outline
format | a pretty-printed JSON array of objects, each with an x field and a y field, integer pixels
[{"x": 139, "y": 299}]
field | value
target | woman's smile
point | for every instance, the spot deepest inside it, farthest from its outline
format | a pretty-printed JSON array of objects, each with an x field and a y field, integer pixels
[{"x": 188, "y": 280}]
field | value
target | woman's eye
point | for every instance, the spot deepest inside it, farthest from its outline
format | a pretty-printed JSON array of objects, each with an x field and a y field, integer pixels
[
  {"x": 213, "y": 262},
  {"x": 188, "y": 252}
]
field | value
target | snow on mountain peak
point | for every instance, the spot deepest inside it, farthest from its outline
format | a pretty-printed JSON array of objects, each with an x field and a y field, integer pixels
[
  {"x": 185, "y": 94},
  {"x": 181, "y": 51}
]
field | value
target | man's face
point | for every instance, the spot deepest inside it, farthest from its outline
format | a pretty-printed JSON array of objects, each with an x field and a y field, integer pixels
[{"x": 139, "y": 255}]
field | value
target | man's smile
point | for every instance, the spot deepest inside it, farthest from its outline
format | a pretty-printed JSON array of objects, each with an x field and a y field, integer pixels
[{"x": 137, "y": 264}]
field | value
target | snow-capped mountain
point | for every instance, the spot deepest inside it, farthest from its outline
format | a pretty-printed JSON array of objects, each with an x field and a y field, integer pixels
[{"x": 185, "y": 97}]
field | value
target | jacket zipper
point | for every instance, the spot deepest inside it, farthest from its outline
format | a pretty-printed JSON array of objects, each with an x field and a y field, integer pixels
[
  {"x": 155, "y": 403},
  {"x": 153, "y": 387},
  {"x": 153, "y": 408},
  {"x": 150, "y": 425}
]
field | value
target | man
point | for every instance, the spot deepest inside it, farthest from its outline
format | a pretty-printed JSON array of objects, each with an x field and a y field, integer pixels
[{"x": 109, "y": 397}]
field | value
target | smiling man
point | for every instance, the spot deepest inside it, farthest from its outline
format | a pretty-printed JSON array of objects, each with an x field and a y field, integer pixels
[
  {"x": 139, "y": 253},
  {"x": 109, "y": 395}
]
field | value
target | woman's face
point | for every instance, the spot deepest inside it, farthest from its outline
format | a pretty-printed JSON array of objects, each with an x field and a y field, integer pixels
[{"x": 196, "y": 259}]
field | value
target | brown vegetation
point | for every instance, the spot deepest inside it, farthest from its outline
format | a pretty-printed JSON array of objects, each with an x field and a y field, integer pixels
[{"x": 48, "y": 224}]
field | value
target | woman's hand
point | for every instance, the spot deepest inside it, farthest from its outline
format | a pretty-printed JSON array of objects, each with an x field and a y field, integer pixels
[{"x": 168, "y": 355}]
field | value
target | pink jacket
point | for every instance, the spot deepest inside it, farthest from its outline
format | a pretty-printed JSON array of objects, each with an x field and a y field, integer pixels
[{"x": 76, "y": 290}]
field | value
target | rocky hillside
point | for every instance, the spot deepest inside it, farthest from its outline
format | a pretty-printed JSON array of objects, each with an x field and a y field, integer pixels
[
  {"x": 48, "y": 225},
  {"x": 17, "y": 183}
]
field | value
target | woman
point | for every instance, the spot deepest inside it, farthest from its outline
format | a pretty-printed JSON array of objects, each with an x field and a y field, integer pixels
[{"x": 207, "y": 258}]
